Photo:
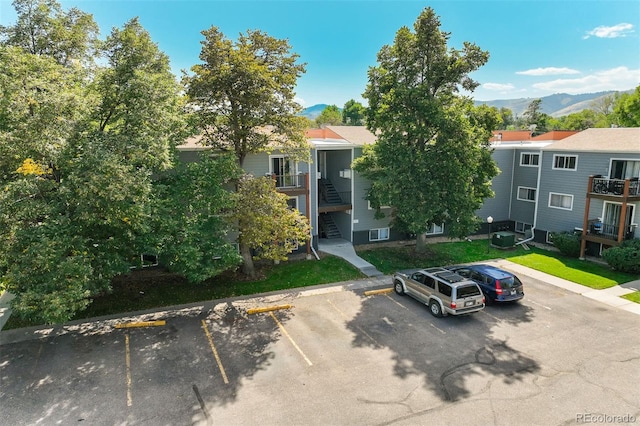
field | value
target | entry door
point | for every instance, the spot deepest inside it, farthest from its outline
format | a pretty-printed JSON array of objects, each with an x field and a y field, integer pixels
[
  {"x": 612, "y": 218},
  {"x": 284, "y": 169}
]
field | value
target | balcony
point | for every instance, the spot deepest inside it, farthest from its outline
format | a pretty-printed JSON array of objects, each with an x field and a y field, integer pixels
[
  {"x": 607, "y": 233},
  {"x": 291, "y": 184},
  {"x": 602, "y": 187}
]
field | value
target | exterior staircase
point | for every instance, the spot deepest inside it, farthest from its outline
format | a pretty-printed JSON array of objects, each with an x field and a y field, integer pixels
[
  {"x": 328, "y": 226},
  {"x": 328, "y": 192}
]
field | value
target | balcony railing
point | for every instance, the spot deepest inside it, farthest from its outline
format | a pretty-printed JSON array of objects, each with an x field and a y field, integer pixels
[
  {"x": 601, "y": 185},
  {"x": 290, "y": 180},
  {"x": 608, "y": 231}
]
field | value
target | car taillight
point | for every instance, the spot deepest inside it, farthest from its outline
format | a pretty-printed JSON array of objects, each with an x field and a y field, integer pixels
[
  {"x": 498, "y": 287},
  {"x": 483, "y": 299},
  {"x": 453, "y": 305}
]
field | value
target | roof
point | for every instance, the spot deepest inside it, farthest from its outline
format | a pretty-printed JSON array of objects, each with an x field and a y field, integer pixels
[
  {"x": 510, "y": 135},
  {"x": 554, "y": 135},
  {"x": 357, "y": 135},
  {"x": 620, "y": 139}
]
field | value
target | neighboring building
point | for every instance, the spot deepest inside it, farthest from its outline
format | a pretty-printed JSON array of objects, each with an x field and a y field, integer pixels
[{"x": 545, "y": 185}]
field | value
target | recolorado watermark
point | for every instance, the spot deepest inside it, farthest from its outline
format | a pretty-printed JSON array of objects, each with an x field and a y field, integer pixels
[{"x": 583, "y": 418}]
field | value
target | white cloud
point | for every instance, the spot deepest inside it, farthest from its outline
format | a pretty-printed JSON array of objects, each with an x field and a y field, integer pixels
[
  {"x": 299, "y": 100},
  {"x": 620, "y": 30},
  {"x": 498, "y": 86},
  {"x": 620, "y": 78},
  {"x": 548, "y": 71}
]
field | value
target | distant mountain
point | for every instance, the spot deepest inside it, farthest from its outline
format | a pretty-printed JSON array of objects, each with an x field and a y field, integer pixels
[
  {"x": 313, "y": 111},
  {"x": 556, "y": 105}
]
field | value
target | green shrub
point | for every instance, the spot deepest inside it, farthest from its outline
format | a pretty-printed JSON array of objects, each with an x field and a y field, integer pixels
[
  {"x": 567, "y": 242},
  {"x": 625, "y": 257}
]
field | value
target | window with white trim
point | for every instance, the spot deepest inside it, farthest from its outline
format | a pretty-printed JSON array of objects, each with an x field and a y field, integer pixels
[
  {"x": 549, "y": 237},
  {"x": 522, "y": 227},
  {"x": 379, "y": 234},
  {"x": 434, "y": 229},
  {"x": 529, "y": 159},
  {"x": 292, "y": 202},
  {"x": 526, "y": 193},
  {"x": 565, "y": 162},
  {"x": 560, "y": 201}
]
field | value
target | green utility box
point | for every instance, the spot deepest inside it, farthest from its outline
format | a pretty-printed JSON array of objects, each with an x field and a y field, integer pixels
[{"x": 503, "y": 239}]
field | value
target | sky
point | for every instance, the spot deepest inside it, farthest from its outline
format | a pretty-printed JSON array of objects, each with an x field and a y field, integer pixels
[{"x": 537, "y": 47}]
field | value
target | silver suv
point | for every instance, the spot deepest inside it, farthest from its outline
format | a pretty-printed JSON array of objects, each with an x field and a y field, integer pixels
[{"x": 444, "y": 291}]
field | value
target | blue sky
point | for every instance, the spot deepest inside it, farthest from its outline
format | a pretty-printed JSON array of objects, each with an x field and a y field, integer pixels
[{"x": 537, "y": 47}]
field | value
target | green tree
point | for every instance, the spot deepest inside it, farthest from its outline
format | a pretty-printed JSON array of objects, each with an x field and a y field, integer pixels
[
  {"x": 331, "y": 116},
  {"x": 43, "y": 28},
  {"x": 353, "y": 113},
  {"x": 507, "y": 118},
  {"x": 627, "y": 109},
  {"x": 431, "y": 162},
  {"x": 76, "y": 171},
  {"x": 243, "y": 101},
  {"x": 259, "y": 203},
  {"x": 535, "y": 119},
  {"x": 191, "y": 217}
]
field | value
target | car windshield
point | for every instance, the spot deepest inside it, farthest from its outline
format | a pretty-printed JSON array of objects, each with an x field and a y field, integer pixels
[{"x": 468, "y": 291}]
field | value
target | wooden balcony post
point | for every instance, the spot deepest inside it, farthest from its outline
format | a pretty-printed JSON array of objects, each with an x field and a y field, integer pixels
[
  {"x": 585, "y": 220},
  {"x": 308, "y": 208}
]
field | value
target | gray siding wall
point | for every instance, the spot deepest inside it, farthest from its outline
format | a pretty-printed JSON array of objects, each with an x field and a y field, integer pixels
[
  {"x": 523, "y": 176},
  {"x": 498, "y": 207}
]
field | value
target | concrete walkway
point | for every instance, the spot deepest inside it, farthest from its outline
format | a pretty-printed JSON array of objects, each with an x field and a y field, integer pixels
[
  {"x": 344, "y": 249},
  {"x": 5, "y": 308}
]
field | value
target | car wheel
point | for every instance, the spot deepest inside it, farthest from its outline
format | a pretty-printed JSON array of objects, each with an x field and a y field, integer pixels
[
  {"x": 397, "y": 286},
  {"x": 435, "y": 309}
]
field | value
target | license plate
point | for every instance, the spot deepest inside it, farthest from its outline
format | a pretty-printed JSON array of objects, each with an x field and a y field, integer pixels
[
  {"x": 513, "y": 292},
  {"x": 469, "y": 303}
]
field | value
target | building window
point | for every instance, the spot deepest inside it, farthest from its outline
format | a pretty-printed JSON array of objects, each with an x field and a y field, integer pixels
[
  {"x": 284, "y": 169},
  {"x": 379, "y": 234},
  {"x": 522, "y": 227},
  {"x": 526, "y": 194},
  {"x": 529, "y": 159},
  {"x": 560, "y": 201},
  {"x": 292, "y": 202},
  {"x": 434, "y": 229},
  {"x": 565, "y": 162}
]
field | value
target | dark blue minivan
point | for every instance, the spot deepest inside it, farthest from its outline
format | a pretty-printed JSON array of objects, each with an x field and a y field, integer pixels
[{"x": 497, "y": 284}]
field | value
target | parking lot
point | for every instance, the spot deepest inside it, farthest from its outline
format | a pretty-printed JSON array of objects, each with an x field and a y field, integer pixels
[{"x": 334, "y": 355}]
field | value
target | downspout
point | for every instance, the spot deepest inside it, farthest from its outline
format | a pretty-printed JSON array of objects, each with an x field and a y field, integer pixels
[
  {"x": 315, "y": 197},
  {"x": 535, "y": 210}
]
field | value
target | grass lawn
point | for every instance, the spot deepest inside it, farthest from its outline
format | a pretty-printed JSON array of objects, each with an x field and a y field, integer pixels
[
  {"x": 634, "y": 297},
  {"x": 154, "y": 288},
  {"x": 590, "y": 274}
]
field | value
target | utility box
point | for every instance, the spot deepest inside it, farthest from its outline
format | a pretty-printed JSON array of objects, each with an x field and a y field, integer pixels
[{"x": 503, "y": 239}]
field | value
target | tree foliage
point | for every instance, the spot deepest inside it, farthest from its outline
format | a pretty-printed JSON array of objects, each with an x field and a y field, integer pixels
[
  {"x": 78, "y": 148},
  {"x": 242, "y": 96},
  {"x": 331, "y": 116},
  {"x": 259, "y": 203},
  {"x": 353, "y": 113},
  {"x": 191, "y": 218},
  {"x": 627, "y": 109},
  {"x": 431, "y": 162}
]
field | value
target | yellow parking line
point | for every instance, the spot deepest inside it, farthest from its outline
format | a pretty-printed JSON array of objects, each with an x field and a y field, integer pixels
[
  {"x": 380, "y": 291},
  {"x": 267, "y": 309},
  {"x": 141, "y": 324},
  {"x": 290, "y": 339},
  {"x": 128, "y": 364},
  {"x": 215, "y": 353}
]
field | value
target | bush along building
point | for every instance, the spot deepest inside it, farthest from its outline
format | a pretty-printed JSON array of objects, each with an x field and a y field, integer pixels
[{"x": 583, "y": 182}]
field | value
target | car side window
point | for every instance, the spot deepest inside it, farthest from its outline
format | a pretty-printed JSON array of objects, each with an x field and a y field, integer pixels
[
  {"x": 478, "y": 277},
  {"x": 444, "y": 289},
  {"x": 430, "y": 282},
  {"x": 418, "y": 277},
  {"x": 464, "y": 272}
]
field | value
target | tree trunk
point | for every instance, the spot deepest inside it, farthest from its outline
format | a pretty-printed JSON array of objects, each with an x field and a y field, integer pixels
[
  {"x": 247, "y": 261},
  {"x": 421, "y": 242}
]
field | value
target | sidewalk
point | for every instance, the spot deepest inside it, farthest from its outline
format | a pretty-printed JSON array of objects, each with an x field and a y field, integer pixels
[{"x": 5, "y": 310}]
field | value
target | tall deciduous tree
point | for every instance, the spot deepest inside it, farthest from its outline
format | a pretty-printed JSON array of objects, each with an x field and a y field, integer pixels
[
  {"x": 431, "y": 161},
  {"x": 535, "y": 119},
  {"x": 353, "y": 113},
  {"x": 75, "y": 210},
  {"x": 627, "y": 109},
  {"x": 242, "y": 96}
]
